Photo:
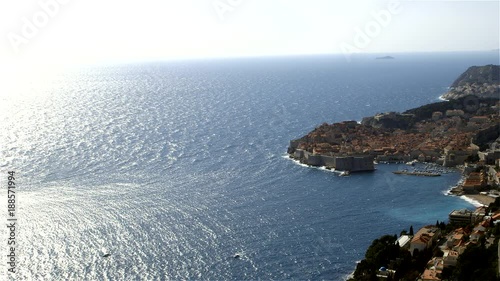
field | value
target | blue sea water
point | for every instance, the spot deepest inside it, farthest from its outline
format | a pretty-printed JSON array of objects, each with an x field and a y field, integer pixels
[{"x": 173, "y": 167}]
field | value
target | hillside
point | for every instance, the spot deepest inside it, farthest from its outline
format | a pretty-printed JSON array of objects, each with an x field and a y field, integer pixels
[{"x": 480, "y": 81}]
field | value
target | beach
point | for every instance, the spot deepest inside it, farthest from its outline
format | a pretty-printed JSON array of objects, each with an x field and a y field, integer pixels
[{"x": 484, "y": 200}]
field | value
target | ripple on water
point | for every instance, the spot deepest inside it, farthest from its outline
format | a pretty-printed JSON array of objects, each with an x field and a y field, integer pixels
[{"x": 173, "y": 168}]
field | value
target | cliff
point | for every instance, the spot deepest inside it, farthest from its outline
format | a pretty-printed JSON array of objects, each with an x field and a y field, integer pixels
[{"x": 480, "y": 81}]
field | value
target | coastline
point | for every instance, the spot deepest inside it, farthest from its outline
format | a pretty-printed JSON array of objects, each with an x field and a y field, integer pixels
[
  {"x": 321, "y": 168},
  {"x": 478, "y": 200},
  {"x": 475, "y": 200},
  {"x": 441, "y": 98},
  {"x": 330, "y": 138}
]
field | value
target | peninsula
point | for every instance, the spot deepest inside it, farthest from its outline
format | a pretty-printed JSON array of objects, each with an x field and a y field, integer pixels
[{"x": 448, "y": 133}]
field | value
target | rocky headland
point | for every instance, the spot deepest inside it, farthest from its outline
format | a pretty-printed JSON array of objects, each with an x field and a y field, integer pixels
[{"x": 481, "y": 81}]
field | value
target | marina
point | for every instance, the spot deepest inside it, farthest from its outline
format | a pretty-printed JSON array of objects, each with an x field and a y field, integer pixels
[
  {"x": 416, "y": 173},
  {"x": 423, "y": 169}
]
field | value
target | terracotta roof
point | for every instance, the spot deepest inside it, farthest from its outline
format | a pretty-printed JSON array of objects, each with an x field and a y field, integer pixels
[{"x": 430, "y": 274}]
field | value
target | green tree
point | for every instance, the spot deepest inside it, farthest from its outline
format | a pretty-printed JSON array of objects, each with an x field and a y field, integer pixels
[
  {"x": 477, "y": 263},
  {"x": 380, "y": 253}
]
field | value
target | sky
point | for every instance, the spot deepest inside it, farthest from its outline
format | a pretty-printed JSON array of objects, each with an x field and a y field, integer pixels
[{"x": 87, "y": 31}]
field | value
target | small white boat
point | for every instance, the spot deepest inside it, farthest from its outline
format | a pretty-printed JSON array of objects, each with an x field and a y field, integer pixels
[
  {"x": 412, "y": 163},
  {"x": 345, "y": 174}
]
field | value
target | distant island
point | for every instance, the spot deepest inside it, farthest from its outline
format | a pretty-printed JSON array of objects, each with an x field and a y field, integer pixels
[{"x": 385, "y": 58}]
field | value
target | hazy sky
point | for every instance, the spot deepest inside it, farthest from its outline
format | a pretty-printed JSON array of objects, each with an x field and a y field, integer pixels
[{"x": 109, "y": 30}]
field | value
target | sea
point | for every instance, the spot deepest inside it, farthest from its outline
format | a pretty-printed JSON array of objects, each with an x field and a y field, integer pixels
[{"x": 177, "y": 170}]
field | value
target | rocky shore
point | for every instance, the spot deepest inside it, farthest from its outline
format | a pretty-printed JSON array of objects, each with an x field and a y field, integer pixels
[{"x": 481, "y": 81}]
